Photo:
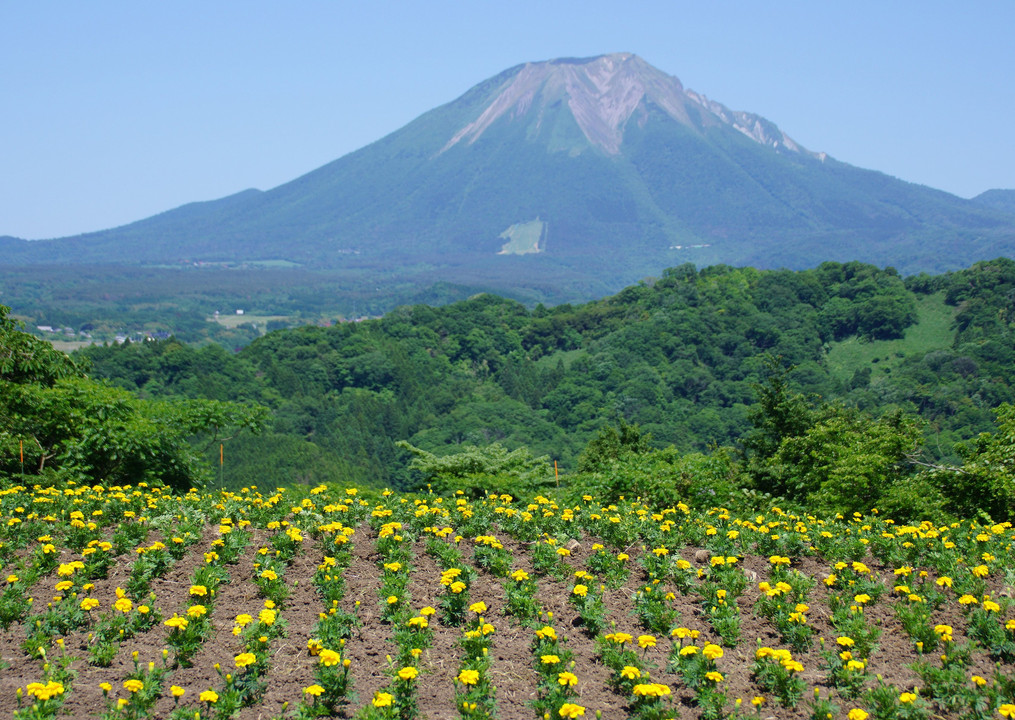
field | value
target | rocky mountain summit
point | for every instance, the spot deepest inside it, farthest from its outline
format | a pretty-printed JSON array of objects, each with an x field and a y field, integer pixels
[{"x": 603, "y": 94}]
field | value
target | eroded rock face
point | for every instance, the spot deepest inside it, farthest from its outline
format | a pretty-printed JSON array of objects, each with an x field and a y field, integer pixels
[{"x": 603, "y": 93}]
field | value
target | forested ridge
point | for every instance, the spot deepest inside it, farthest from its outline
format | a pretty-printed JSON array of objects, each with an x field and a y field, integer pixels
[{"x": 685, "y": 358}]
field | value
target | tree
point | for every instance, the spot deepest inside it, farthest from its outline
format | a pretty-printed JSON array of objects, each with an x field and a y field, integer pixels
[
  {"x": 610, "y": 445},
  {"x": 72, "y": 427},
  {"x": 778, "y": 414},
  {"x": 986, "y": 480},
  {"x": 478, "y": 470},
  {"x": 27, "y": 359},
  {"x": 847, "y": 461}
]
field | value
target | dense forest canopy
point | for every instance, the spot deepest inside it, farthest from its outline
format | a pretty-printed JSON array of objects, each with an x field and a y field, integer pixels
[{"x": 684, "y": 357}]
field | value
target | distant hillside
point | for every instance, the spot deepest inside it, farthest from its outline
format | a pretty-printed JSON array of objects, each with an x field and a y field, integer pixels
[
  {"x": 680, "y": 356},
  {"x": 1003, "y": 200},
  {"x": 608, "y": 169}
]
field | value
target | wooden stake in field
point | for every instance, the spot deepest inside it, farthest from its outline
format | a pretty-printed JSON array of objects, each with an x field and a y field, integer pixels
[
  {"x": 556, "y": 475},
  {"x": 221, "y": 462}
]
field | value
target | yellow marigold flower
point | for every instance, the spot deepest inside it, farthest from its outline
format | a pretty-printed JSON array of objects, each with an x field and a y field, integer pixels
[
  {"x": 177, "y": 623},
  {"x": 857, "y": 714},
  {"x": 427, "y": 611},
  {"x": 580, "y": 590},
  {"x": 519, "y": 575},
  {"x": 468, "y": 677},
  {"x": 979, "y": 681},
  {"x": 198, "y": 590},
  {"x": 196, "y": 611},
  {"x": 244, "y": 659},
  {"x": 382, "y": 699},
  {"x": 328, "y": 658},
  {"x": 177, "y": 691},
  {"x": 89, "y": 604},
  {"x": 45, "y": 692},
  {"x": 408, "y": 673},
  {"x": 546, "y": 633},
  {"x": 209, "y": 696},
  {"x": 991, "y": 606},
  {"x": 570, "y": 711},
  {"x": 845, "y": 641},
  {"x": 314, "y": 690},
  {"x": 266, "y": 616},
  {"x": 757, "y": 701},
  {"x": 457, "y": 587},
  {"x": 651, "y": 690},
  {"x": 630, "y": 672},
  {"x": 967, "y": 599},
  {"x": 714, "y": 676},
  {"x": 689, "y": 650},
  {"x": 549, "y": 659},
  {"x": 712, "y": 651},
  {"x": 980, "y": 571},
  {"x": 124, "y": 605},
  {"x": 646, "y": 641},
  {"x": 1007, "y": 710},
  {"x": 478, "y": 607}
]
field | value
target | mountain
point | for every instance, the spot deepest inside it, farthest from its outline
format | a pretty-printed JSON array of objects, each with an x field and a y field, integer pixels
[
  {"x": 998, "y": 199},
  {"x": 587, "y": 172}
]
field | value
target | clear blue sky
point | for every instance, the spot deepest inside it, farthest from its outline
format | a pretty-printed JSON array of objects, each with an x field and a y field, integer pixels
[{"x": 114, "y": 111}]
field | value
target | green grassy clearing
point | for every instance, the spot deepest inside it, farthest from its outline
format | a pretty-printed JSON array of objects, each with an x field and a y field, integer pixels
[
  {"x": 932, "y": 331},
  {"x": 523, "y": 238},
  {"x": 232, "y": 321}
]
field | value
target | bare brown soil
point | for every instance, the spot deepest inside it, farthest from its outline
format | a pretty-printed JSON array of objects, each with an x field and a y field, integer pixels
[{"x": 292, "y": 666}]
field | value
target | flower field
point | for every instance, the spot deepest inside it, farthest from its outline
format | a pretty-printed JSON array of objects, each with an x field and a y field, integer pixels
[{"x": 132, "y": 602}]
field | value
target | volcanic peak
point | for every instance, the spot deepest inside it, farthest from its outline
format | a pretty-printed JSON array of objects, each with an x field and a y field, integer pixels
[{"x": 602, "y": 94}]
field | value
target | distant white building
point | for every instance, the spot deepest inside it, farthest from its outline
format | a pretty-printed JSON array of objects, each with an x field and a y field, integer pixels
[{"x": 239, "y": 312}]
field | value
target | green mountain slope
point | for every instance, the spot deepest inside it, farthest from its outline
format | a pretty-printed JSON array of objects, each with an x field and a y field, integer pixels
[{"x": 628, "y": 171}]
